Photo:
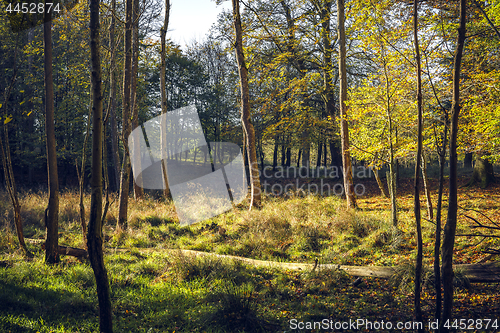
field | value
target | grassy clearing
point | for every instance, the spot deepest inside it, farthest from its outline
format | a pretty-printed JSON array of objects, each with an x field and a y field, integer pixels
[{"x": 160, "y": 291}]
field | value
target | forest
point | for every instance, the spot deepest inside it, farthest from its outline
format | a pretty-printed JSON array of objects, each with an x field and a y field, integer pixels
[{"x": 306, "y": 166}]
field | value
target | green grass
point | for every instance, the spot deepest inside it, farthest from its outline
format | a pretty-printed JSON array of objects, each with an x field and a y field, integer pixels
[{"x": 154, "y": 290}]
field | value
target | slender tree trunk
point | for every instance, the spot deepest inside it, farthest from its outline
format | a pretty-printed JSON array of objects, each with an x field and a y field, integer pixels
[
  {"x": 10, "y": 182},
  {"x": 380, "y": 184},
  {"x": 427, "y": 190},
  {"x": 52, "y": 210},
  {"x": 451, "y": 223},
  {"x": 283, "y": 153},
  {"x": 112, "y": 111},
  {"x": 134, "y": 104},
  {"x": 306, "y": 149},
  {"x": 416, "y": 195},
  {"x": 391, "y": 175},
  {"x": 288, "y": 161},
  {"x": 275, "y": 153},
  {"x": 344, "y": 130},
  {"x": 437, "y": 241},
  {"x": 127, "y": 75},
  {"x": 255, "y": 189},
  {"x": 81, "y": 173},
  {"x": 94, "y": 236},
  {"x": 163, "y": 138},
  {"x": 319, "y": 155}
]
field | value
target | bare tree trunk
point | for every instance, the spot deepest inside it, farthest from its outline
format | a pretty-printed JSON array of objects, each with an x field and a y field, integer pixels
[
  {"x": 125, "y": 174},
  {"x": 451, "y": 223},
  {"x": 427, "y": 190},
  {"x": 10, "y": 182},
  {"x": 255, "y": 189},
  {"x": 344, "y": 130},
  {"x": 134, "y": 104},
  {"x": 52, "y": 210},
  {"x": 437, "y": 241},
  {"x": 416, "y": 195},
  {"x": 112, "y": 83},
  {"x": 163, "y": 32},
  {"x": 391, "y": 175},
  {"x": 81, "y": 174},
  {"x": 380, "y": 184},
  {"x": 94, "y": 237},
  {"x": 275, "y": 152}
]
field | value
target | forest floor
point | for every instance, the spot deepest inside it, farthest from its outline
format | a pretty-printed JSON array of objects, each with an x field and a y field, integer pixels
[{"x": 154, "y": 290}]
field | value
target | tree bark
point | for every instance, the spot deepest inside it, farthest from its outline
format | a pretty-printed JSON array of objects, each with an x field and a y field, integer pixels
[
  {"x": 163, "y": 138},
  {"x": 255, "y": 189},
  {"x": 112, "y": 111},
  {"x": 427, "y": 190},
  {"x": 451, "y": 223},
  {"x": 391, "y": 175},
  {"x": 10, "y": 182},
  {"x": 52, "y": 210},
  {"x": 416, "y": 194},
  {"x": 94, "y": 236},
  {"x": 482, "y": 173},
  {"x": 134, "y": 104},
  {"x": 344, "y": 130},
  {"x": 380, "y": 184},
  {"x": 437, "y": 241},
  {"x": 127, "y": 69}
]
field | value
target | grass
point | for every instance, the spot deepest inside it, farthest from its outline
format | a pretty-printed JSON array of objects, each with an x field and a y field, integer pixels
[{"x": 154, "y": 290}]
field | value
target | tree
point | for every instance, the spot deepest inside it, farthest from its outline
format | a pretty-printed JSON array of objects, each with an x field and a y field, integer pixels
[
  {"x": 52, "y": 210},
  {"x": 94, "y": 236},
  {"x": 134, "y": 103},
  {"x": 344, "y": 130},
  {"x": 127, "y": 80},
  {"x": 451, "y": 223},
  {"x": 416, "y": 202},
  {"x": 248, "y": 129},
  {"x": 112, "y": 99},
  {"x": 163, "y": 88},
  {"x": 10, "y": 182}
]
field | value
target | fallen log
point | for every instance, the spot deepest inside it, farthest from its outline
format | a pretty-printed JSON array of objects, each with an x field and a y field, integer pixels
[{"x": 70, "y": 251}]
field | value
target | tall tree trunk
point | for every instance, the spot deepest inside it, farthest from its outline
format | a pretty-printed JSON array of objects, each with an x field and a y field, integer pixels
[
  {"x": 134, "y": 104},
  {"x": 437, "y": 241},
  {"x": 81, "y": 173},
  {"x": 344, "y": 130},
  {"x": 94, "y": 236},
  {"x": 275, "y": 152},
  {"x": 52, "y": 210},
  {"x": 306, "y": 149},
  {"x": 451, "y": 223},
  {"x": 416, "y": 195},
  {"x": 288, "y": 161},
  {"x": 112, "y": 111},
  {"x": 283, "y": 152},
  {"x": 320, "y": 154},
  {"x": 427, "y": 190},
  {"x": 127, "y": 75},
  {"x": 391, "y": 175},
  {"x": 163, "y": 32},
  {"x": 10, "y": 182},
  {"x": 255, "y": 189}
]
